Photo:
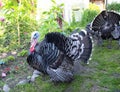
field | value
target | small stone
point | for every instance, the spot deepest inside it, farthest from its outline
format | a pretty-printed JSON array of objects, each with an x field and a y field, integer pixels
[
  {"x": 4, "y": 55},
  {"x": 23, "y": 82},
  {"x": 0, "y": 89},
  {"x": 13, "y": 52},
  {"x": 3, "y": 75},
  {"x": 6, "y": 88}
]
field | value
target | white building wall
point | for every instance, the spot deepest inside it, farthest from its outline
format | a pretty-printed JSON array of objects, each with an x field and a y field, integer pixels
[
  {"x": 110, "y": 1},
  {"x": 70, "y": 7},
  {"x": 42, "y": 5}
]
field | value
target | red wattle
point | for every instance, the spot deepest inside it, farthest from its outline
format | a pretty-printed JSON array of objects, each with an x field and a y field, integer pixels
[{"x": 32, "y": 49}]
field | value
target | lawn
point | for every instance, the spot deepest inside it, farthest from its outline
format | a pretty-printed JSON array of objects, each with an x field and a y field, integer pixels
[{"x": 101, "y": 75}]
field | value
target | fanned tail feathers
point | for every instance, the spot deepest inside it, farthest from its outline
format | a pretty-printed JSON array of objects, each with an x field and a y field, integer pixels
[{"x": 78, "y": 46}]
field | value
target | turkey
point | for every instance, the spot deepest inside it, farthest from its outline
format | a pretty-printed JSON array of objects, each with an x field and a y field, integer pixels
[
  {"x": 105, "y": 26},
  {"x": 41, "y": 54},
  {"x": 57, "y": 54},
  {"x": 45, "y": 57}
]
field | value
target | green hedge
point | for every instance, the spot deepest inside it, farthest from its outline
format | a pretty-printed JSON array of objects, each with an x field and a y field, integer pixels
[
  {"x": 88, "y": 16},
  {"x": 114, "y": 6}
]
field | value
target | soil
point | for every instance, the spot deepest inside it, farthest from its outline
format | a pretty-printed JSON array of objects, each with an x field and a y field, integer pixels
[{"x": 15, "y": 71}]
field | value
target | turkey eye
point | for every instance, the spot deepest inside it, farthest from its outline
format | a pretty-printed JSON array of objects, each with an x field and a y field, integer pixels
[{"x": 35, "y": 35}]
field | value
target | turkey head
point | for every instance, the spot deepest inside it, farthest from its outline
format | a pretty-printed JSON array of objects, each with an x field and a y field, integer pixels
[{"x": 34, "y": 40}]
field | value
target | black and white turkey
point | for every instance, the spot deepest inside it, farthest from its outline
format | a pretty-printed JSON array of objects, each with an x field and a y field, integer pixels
[
  {"x": 57, "y": 54},
  {"x": 44, "y": 55},
  {"x": 106, "y": 25}
]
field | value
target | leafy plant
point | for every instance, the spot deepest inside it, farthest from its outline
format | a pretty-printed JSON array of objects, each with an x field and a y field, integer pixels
[
  {"x": 88, "y": 16},
  {"x": 19, "y": 22},
  {"x": 50, "y": 22},
  {"x": 114, "y": 6}
]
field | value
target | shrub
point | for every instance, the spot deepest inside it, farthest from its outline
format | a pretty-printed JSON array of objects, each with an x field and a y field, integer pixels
[
  {"x": 114, "y": 6},
  {"x": 51, "y": 22},
  {"x": 18, "y": 25},
  {"x": 88, "y": 16}
]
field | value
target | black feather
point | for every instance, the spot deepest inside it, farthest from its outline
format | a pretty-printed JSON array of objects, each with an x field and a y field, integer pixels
[{"x": 48, "y": 53}]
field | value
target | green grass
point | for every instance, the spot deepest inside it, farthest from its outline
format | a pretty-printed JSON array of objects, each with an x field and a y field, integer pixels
[{"x": 101, "y": 75}]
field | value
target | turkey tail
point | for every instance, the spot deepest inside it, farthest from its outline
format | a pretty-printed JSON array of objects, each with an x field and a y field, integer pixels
[
  {"x": 105, "y": 20},
  {"x": 78, "y": 46}
]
